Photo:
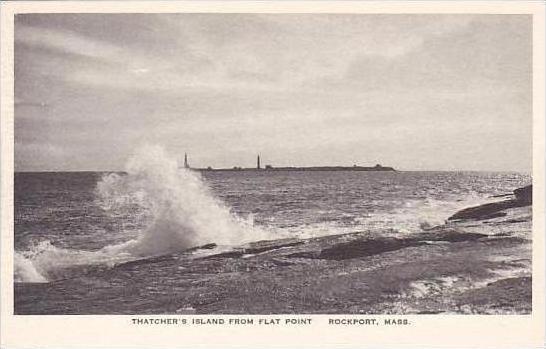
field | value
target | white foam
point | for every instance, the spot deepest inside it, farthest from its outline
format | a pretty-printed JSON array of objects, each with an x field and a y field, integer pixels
[
  {"x": 25, "y": 270},
  {"x": 45, "y": 262}
]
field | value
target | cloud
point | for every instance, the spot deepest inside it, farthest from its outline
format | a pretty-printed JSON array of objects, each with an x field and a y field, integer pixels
[
  {"x": 263, "y": 51},
  {"x": 68, "y": 43},
  {"x": 226, "y": 84}
]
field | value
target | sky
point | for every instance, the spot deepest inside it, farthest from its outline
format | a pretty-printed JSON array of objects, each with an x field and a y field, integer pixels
[{"x": 416, "y": 92}]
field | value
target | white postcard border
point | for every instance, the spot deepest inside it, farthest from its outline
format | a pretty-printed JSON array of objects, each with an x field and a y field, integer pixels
[{"x": 425, "y": 331}]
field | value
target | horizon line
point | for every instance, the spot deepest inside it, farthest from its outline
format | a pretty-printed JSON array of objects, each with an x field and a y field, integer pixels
[{"x": 265, "y": 170}]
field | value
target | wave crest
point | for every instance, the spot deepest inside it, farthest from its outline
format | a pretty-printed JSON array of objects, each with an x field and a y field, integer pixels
[{"x": 183, "y": 213}]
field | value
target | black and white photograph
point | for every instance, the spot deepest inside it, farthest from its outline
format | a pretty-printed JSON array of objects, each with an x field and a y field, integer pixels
[{"x": 273, "y": 163}]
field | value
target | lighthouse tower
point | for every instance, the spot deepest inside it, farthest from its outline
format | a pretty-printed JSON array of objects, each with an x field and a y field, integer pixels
[
  {"x": 186, "y": 165},
  {"x": 258, "y": 162}
]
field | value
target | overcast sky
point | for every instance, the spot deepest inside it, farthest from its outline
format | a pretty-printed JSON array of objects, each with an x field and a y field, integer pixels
[{"x": 416, "y": 92}]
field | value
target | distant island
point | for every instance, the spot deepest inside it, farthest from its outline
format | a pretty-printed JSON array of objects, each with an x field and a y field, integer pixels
[{"x": 258, "y": 167}]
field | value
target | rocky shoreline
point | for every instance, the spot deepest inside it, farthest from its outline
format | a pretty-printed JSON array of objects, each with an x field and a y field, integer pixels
[
  {"x": 479, "y": 262},
  {"x": 521, "y": 197}
]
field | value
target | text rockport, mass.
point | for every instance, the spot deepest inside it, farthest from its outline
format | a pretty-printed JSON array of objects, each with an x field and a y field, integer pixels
[{"x": 265, "y": 321}]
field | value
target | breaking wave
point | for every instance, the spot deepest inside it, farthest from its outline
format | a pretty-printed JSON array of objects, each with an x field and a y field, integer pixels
[{"x": 183, "y": 214}]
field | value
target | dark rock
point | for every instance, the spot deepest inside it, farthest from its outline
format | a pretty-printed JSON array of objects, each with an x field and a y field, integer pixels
[
  {"x": 268, "y": 245},
  {"x": 363, "y": 248},
  {"x": 202, "y": 247},
  {"x": 207, "y": 246},
  {"x": 494, "y": 215},
  {"x": 450, "y": 236},
  {"x": 483, "y": 211},
  {"x": 229, "y": 254},
  {"x": 515, "y": 221},
  {"x": 257, "y": 247},
  {"x": 524, "y": 195},
  {"x": 148, "y": 260},
  {"x": 281, "y": 262},
  {"x": 306, "y": 254},
  {"x": 369, "y": 246}
]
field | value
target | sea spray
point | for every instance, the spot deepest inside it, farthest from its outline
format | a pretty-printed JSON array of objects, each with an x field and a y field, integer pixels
[
  {"x": 25, "y": 271},
  {"x": 181, "y": 213},
  {"x": 45, "y": 262}
]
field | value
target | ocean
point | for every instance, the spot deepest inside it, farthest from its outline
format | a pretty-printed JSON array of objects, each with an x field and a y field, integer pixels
[{"x": 68, "y": 224}]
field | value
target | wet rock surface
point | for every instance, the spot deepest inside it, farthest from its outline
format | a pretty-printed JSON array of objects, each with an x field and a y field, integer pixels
[
  {"x": 257, "y": 247},
  {"x": 522, "y": 197}
]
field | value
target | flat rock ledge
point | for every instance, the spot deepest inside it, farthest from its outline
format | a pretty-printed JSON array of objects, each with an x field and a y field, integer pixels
[{"x": 521, "y": 197}]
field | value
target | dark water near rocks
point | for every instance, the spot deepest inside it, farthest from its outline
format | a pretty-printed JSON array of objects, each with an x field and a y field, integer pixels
[{"x": 96, "y": 243}]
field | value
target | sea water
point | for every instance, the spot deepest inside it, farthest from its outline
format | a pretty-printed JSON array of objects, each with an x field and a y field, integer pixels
[{"x": 66, "y": 220}]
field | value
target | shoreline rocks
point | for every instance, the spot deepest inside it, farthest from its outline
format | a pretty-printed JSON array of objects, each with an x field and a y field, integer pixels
[
  {"x": 365, "y": 246},
  {"x": 522, "y": 197}
]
